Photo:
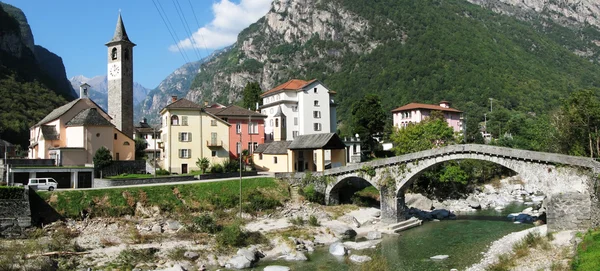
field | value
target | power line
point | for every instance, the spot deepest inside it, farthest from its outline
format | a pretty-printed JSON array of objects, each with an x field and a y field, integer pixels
[
  {"x": 186, "y": 26},
  {"x": 183, "y": 55},
  {"x": 173, "y": 28},
  {"x": 198, "y": 24}
]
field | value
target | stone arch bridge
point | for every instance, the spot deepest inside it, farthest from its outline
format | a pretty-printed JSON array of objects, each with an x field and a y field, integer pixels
[{"x": 569, "y": 182}]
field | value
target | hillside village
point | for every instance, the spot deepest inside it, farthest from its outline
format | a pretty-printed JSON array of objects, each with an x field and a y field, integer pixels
[{"x": 301, "y": 175}]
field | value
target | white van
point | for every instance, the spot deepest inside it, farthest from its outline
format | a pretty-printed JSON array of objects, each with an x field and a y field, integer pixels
[{"x": 42, "y": 183}]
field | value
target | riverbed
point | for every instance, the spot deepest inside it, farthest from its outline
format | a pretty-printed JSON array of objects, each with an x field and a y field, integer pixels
[{"x": 463, "y": 240}]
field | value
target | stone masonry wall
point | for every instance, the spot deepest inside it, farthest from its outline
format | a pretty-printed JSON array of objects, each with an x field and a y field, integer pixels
[
  {"x": 100, "y": 183},
  {"x": 15, "y": 216},
  {"x": 569, "y": 211}
]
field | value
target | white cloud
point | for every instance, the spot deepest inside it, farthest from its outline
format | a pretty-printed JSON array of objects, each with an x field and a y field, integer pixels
[{"x": 229, "y": 19}]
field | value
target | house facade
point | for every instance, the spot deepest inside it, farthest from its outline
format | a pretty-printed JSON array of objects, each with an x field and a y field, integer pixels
[
  {"x": 246, "y": 130},
  {"x": 188, "y": 133},
  {"x": 416, "y": 112},
  {"x": 72, "y": 133},
  {"x": 298, "y": 107},
  {"x": 152, "y": 137}
]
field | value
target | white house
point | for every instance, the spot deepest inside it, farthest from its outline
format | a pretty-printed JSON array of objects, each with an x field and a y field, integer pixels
[{"x": 298, "y": 107}]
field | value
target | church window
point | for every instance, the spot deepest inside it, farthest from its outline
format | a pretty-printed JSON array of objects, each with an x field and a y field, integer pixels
[
  {"x": 175, "y": 120},
  {"x": 276, "y": 122},
  {"x": 126, "y": 143},
  {"x": 126, "y": 54},
  {"x": 113, "y": 53},
  {"x": 316, "y": 103},
  {"x": 115, "y": 136},
  {"x": 275, "y": 160},
  {"x": 315, "y": 90}
]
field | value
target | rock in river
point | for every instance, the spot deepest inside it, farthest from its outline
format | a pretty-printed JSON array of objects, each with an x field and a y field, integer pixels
[
  {"x": 359, "y": 258},
  {"x": 337, "y": 249}
]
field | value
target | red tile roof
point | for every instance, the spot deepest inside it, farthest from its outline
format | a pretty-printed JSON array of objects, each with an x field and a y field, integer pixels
[
  {"x": 294, "y": 84},
  {"x": 411, "y": 106}
]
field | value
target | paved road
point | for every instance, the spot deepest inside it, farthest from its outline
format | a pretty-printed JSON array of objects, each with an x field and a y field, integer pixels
[{"x": 260, "y": 175}]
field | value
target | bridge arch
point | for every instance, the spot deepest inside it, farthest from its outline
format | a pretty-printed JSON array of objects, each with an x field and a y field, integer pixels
[
  {"x": 417, "y": 167},
  {"x": 344, "y": 187}
]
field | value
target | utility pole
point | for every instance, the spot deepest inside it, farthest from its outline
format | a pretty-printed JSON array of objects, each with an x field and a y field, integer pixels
[
  {"x": 240, "y": 159},
  {"x": 491, "y": 105},
  {"x": 154, "y": 158},
  {"x": 485, "y": 123}
]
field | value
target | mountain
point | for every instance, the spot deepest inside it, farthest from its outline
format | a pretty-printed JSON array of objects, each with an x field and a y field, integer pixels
[
  {"x": 99, "y": 90},
  {"x": 176, "y": 84},
  {"x": 32, "y": 79},
  {"x": 415, "y": 51}
]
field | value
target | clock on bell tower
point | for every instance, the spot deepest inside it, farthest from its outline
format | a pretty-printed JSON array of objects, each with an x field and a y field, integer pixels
[{"x": 120, "y": 79}]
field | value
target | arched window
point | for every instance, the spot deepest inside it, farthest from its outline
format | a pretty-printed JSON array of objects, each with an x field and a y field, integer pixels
[
  {"x": 113, "y": 53},
  {"x": 126, "y": 143},
  {"x": 174, "y": 120}
]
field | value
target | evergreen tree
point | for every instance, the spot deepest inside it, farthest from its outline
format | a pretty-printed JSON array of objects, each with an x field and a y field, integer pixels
[
  {"x": 368, "y": 120},
  {"x": 251, "y": 95},
  {"x": 102, "y": 158}
]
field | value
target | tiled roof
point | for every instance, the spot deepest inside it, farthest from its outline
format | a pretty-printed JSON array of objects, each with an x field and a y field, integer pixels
[
  {"x": 294, "y": 84},
  {"x": 88, "y": 117},
  {"x": 183, "y": 104},
  {"x": 276, "y": 147},
  {"x": 233, "y": 111},
  {"x": 411, "y": 106},
  {"x": 317, "y": 141},
  {"x": 56, "y": 113},
  {"x": 49, "y": 132}
]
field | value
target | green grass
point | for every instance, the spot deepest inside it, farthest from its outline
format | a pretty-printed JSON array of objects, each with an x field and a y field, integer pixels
[
  {"x": 588, "y": 252},
  {"x": 180, "y": 198}
]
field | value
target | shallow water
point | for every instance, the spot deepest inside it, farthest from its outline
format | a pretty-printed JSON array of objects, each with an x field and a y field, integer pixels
[{"x": 464, "y": 240}]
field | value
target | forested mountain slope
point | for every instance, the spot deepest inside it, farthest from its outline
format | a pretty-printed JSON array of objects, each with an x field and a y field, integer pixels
[
  {"x": 409, "y": 51},
  {"x": 29, "y": 87}
]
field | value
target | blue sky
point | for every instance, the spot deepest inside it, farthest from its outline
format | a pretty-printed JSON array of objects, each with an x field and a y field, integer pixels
[{"x": 77, "y": 30}]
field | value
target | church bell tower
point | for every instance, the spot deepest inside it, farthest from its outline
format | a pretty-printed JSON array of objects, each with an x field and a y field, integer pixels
[{"x": 120, "y": 79}]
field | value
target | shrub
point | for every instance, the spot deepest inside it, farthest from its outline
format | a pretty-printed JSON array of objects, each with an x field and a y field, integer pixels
[
  {"x": 313, "y": 221},
  {"x": 203, "y": 164},
  {"x": 311, "y": 194},
  {"x": 160, "y": 171},
  {"x": 216, "y": 168},
  {"x": 231, "y": 165},
  {"x": 11, "y": 192},
  {"x": 259, "y": 202},
  {"x": 298, "y": 221},
  {"x": 233, "y": 236},
  {"x": 206, "y": 223},
  {"x": 129, "y": 258}
]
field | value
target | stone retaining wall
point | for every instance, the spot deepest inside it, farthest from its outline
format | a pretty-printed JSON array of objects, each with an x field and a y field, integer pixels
[
  {"x": 100, "y": 183},
  {"x": 15, "y": 216}
]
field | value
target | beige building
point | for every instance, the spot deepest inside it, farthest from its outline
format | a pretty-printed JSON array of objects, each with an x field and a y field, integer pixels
[
  {"x": 305, "y": 153},
  {"x": 188, "y": 133},
  {"x": 72, "y": 133}
]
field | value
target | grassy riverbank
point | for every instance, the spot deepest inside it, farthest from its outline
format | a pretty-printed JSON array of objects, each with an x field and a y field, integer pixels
[
  {"x": 209, "y": 196},
  {"x": 588, "y": 252}
]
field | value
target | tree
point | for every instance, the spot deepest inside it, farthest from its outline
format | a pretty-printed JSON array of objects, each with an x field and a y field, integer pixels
[
  {"x": 140, "y": 148},
  {"x": 577, "y": 124},
  {"x": 368, "y": 120},
  {"x": 251, "y": 95},
  {"x": 203, "y": 164},
  {"x": 102, "y": 158},
  {"x": 429, "y": 133}
]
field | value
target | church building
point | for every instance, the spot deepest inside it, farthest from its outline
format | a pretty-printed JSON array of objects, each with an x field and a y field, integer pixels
[{"x": 71, "y": 134}]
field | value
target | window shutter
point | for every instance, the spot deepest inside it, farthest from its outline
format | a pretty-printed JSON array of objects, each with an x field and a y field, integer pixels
[
  {"x": 189, "y": 153},
  {"x": 189, "y": 139},
  {"x": 180, "y": 153}
]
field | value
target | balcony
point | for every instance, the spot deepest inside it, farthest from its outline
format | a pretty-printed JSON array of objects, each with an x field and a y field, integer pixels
[{"x": 214, "y": 143}]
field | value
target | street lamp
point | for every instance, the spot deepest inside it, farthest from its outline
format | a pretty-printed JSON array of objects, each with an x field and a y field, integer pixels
[
  {"x": 485, "y": 122},
  {"x": 154, "y": 139},
  {"x": 239, "y": 151},
  {"x": 491, "y": 104}
]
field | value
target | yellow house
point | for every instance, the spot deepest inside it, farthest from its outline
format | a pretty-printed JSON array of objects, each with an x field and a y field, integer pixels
[
  {"x": 72, "y": 133},
  {"x": 188, "y": 133},
  {"x": 305, "y": 153}
]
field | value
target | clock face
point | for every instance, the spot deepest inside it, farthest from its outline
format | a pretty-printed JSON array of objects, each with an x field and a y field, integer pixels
[{"x": 114, "y": 71}]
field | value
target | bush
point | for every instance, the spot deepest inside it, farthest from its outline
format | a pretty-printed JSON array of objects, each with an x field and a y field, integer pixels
[
  {"x": 259, "y": 202},
  {"x": 313, "y": 221},
  {"x": 298, "y": 221},
  {"x": 160, "y": 171},
  {"x": 206, "y": 223},
  {"x": 233, "y": 236},
  {"x": 311, "y": 194},
  {"x": 216, "y": 168},
  {"x": 231, "y": 165},
  {"x": 11, "y": 192}
]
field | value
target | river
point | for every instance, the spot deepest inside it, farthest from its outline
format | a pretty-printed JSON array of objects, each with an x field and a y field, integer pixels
[{"x": 464, "y": 240}]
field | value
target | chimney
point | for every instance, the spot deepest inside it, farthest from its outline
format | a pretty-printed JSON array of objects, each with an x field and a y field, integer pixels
[
  {"x": 173, "y": 99},
  {"x": 144, "y": 120},
  {"x": 205, "y": 103},
  {"x": 83, "y": 90},
  {"x": 445, "y": 104}
]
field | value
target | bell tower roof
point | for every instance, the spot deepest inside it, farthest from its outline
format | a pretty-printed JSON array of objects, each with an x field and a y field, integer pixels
[{"x": 120, "y": 33}]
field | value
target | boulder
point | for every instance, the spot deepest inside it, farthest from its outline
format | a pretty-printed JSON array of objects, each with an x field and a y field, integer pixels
[
  {"x": 174, "y": 225},
  {"x": 418, "y": 201},
  {"x": 191, "y": 255},
  {"x": 294, "y": 256},
  {"x": 439, "y": 257},
  {"x": 238, "y": 262},
  {"x": 440, "y": 214},
  {"x": 276, "y": 268},
  {"x": 359, "y": 258},
  {"x": 528, "y": 211},
  {"x": 348, "y": 219},
  {"x": 342, "y": 231},
  {"x": 372, "y": 235},
  {"x": 361, "y": 245},
  {"x": 156, "y": 228},
  {"x": 473, "y": 202},
  {"x": 337, "y": 249},
  {"x": 377, "y": 214}
]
